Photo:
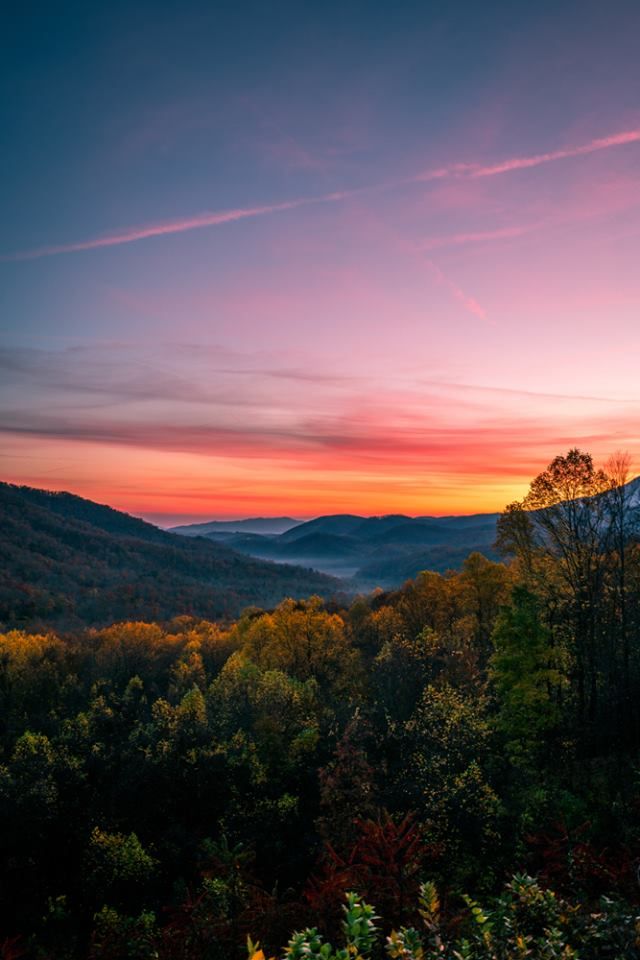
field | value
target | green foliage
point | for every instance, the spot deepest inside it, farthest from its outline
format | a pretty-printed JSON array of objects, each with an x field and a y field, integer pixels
[
  {"x": 167, "y": 788},
  {"x": 359, "y": 931},
  {"x": 117, "y": 936},
  {"x": 524, "y": 921},
  {"x": 115, "y": 858},
  {"x": 527, "y": 679},
  {"x": 405, "y": 944},
  {"x": 445, "y": 775}
]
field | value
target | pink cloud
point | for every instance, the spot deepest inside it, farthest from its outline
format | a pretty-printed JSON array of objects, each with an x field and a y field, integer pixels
[
  {"x": 485, "y": 443},
  {"x": 475, "y": 170},
  {"x": 469, "y": 303},
  {"x": 326, "y": 447},
  {"x": 458, "y": 239},
  {"x": 132, "y": 234},
  {"x": 583, "y": 200},
  {"x": 535, "y": 160},
  {"x": 218, "y": 218}
]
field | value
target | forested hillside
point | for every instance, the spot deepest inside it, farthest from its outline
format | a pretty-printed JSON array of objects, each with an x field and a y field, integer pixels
[
  {"x": 170, "y": 788},
  {"x": 68, "y": 562}
]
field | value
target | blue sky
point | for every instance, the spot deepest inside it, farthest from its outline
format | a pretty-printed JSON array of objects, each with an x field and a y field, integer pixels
[{"x": 391, "y": 309}]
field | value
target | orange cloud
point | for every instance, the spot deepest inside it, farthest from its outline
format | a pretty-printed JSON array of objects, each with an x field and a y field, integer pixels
[{"x": 416, "y": 446}]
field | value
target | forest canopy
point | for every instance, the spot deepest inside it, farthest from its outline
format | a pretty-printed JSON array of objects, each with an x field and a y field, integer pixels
[{"x": 170, "y": 788}]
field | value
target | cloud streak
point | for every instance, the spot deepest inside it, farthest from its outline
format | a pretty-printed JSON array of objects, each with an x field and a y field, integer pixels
[
  {"x": 461, "y": 239},
  {"x": 339, "y": 449},
  {"x": 475, "y": 170},
  {"x": 221, "y": 217},
  {"x": 348, "y": 440},
  {"x": 470, "y": 304},
  {"x": 199, "y": 222},
  {"x": 120, "y": 372},
  {"x": 536, "y": 160}
]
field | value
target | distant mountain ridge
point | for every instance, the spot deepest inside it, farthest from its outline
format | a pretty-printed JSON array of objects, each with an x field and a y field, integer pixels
[
  {"x": 380, "y": 551},
  {"x": 372, "y": 551},
  {"x": 69, "y": 562},
  {"x": 262, "y": 525}
]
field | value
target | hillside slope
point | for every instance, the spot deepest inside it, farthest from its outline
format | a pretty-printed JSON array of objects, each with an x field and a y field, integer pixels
[{"x": 67, "y": 561}]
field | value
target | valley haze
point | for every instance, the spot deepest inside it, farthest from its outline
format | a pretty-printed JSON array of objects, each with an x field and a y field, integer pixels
[{"x": 368, "y": 551}]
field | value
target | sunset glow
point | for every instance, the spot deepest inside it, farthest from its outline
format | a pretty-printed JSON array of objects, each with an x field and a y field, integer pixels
[{"x": 330, "y": 268}]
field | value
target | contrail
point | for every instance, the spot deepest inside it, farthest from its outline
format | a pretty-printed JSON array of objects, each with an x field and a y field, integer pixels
[
  {"x": 217, "y": 218},
  {"x": 475, "y": 170},
  {"x": 459, "y": 239},
  {"x": 132, "y": 234},
  {"x": 469, "y": 303},
  {"x": 521, "y": 163}
]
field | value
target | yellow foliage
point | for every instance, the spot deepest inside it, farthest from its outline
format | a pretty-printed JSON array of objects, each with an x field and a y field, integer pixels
[{"x": 302, "y": 639}]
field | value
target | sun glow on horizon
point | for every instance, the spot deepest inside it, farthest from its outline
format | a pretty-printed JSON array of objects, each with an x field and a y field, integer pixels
[
  {"x": 348, "y": 276},
  {"x": 173, "y": 488}
]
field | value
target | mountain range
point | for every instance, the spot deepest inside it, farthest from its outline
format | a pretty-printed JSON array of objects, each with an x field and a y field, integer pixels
[
  {"x": 262, "y": 525},
  {"x": 69, "y": 562},
  {"x": 367, "y": 551}
]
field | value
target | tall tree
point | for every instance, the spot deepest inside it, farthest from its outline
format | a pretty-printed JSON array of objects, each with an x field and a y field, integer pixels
[{"x": 566, "y": 523}]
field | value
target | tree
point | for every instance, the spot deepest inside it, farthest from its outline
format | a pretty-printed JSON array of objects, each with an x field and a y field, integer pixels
[
  {"x": 117, "y": 866},
  {"x": 444, "y": 777},
  {"x": 347, "y": 787},
  {"x": 526, "y": 676},
  {"x": 486, "y": 588},
  {"x": 304, "y": 640},
  {"x": 566, "y": 524}
]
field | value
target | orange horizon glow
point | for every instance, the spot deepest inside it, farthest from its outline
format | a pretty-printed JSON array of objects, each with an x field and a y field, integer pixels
[
  {"x": 397, "y": 275},
  {"x": 173, "y": 488}
]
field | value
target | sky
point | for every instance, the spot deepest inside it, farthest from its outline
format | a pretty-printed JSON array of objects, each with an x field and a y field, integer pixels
[{"x": 305, "y": 258}]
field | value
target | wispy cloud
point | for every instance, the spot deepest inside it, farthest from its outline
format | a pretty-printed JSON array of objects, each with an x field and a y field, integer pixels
[
  {"x": 460, "y": 239},
  {"x": 132, "y": 234},
  {"x": 349, "y": 439},
  {"x": 474, "y": 170},
  {"x": 151, "y": 436},
  {"x": 218, "y": 218},
  {"x": 117, "y": 374},
  {"x": 536, "y": 160},
  {"x": 469, "y": 303}
]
